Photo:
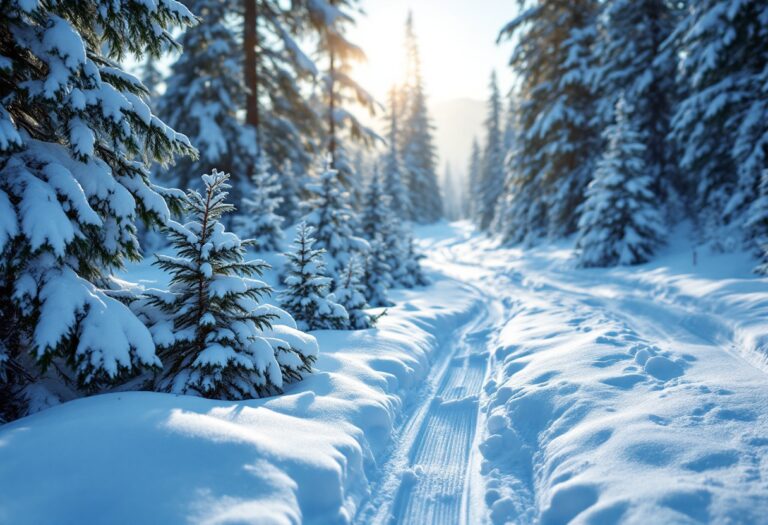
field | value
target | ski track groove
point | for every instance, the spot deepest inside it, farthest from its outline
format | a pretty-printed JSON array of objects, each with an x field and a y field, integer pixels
[{"x": 433, "y": 487}]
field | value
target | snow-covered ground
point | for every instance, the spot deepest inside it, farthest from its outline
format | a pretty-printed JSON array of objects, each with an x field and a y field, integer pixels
[
  {"x": 514, "y": 389},
  {"x": 635, "y": 395}
]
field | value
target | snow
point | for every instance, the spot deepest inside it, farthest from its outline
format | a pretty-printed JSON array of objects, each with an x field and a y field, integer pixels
[
  {"x": 516, "y": 388},
  {"x": 625, "y": 395},
  {"x": 307, "y": 455}
]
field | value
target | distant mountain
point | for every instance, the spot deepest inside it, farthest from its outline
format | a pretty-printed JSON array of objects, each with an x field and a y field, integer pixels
[{"x": 457, "y": 122}]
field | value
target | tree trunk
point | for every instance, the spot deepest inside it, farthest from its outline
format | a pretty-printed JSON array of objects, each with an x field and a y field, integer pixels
[{"x": 332, "y": 110}]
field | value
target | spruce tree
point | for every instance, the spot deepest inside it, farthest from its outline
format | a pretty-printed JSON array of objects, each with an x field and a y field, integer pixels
[
  {"x": 213, "y": 337},
  {"x": 473, "y": 181},
  {"x": 290, "y": 182},
  {"x": 721, "y": 124},
  {"x": 379, "y": 221},
  {"x": 560, "y": 142},
  {"x": 328, "y": 213},
  {"x": 394, "y": 185},
  {"x": 350, "y": 293},
  {"x": 416, "y": 142},
  {"x": 491, "y": 180},
  {"x": 633, "y": 61},
  {"x": 276, "y": 69},
  {"x": 258, "y": 220},
  {"x": 331, "y": 20},
  {"x": 620, "y": 221},
  {"x": 377, "y": 277},
  {"x": 204, "y": 93},
  {"x": 76, "y": 138},
  {"x": 414, "y": 273},
  {"x": 307, "y": 287}
]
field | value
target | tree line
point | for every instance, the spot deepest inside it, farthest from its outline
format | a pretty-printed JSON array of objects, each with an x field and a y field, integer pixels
[{"x": 626, "y": 117}]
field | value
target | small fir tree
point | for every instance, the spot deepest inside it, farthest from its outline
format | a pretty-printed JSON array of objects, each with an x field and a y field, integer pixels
[
  {"x": 212, "y": 335},
  {"x": 332, "y": 220},
  {"x": 306, "y": 295},
  {"x": 393, "y": 171},
  {"x": 379, "y": 219},
  {"x": 350, "y": 293},
  {"x": 620, "y": 222},
  {"x": 377, "y": 277},
  {"x": 259, "y": 220},
  {"x": 290, "y": 182}
]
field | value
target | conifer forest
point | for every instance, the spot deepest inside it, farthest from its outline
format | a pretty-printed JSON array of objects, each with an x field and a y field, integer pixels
[{"x": 430, "y": 262}]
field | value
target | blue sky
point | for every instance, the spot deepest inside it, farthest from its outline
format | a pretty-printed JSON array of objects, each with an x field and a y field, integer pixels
[{"x": 456, "y": 38}]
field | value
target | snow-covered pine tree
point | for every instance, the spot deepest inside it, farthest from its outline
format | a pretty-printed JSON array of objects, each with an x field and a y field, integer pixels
[
  {"x": 620, "y": 221},
  {"x": 416, "y": 142},
  {"x": 213, "y": 336},
  {"x": 203, "y": 95},
  {"x": 393, "y": 173},
  {"x": 276, "y": 69},
  {"x": 328, "y": 213},
  {"x": 350, "y": 293},
  {"x": 377, "y": 277},
  {"x": 721, "y": 124},
  {"x": 559, "y": 143},
  {"x": 379, "y": 220},
  {"x": 414, "y": 273},
  {"x": 307, "y": 287},
  {"x": 75, "y": 140},
  {"x": 258, "y": 220},
  {"x": 331, "y": 19},
  {"x": 633, "y": 62},
  {"x": 291, "y": 180},
  {"x": 492, "y": 164},
  {"x": 473, "y": 181}
]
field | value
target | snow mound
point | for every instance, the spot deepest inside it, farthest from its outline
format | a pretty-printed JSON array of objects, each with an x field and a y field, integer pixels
[{"x": 304, "y": 457}]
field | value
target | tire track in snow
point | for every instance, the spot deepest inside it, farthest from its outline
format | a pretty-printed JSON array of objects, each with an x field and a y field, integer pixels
[{"x": 432, "y": 465}]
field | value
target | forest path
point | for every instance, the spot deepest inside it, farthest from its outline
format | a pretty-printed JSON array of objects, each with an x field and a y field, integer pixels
[
  {"x": 428, "y": 477},
  {"x": 594, "y": 372}
]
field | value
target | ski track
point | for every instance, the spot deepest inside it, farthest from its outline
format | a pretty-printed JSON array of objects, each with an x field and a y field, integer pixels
[{"x": 427, "y": 479}]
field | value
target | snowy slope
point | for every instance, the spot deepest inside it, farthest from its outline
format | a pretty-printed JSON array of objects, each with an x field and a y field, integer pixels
[
  {"x": 516, "y": 389},
  {"x": 137, "y": 457},
  {"x": 632, "y": 395}
]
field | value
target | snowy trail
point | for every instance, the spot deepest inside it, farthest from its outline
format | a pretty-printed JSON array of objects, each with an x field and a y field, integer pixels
[
  {"x": 428, "y": 476},
  {"x": 633, "y": 395}
]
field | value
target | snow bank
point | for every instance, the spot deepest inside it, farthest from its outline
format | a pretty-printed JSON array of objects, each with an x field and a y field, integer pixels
[
  {"x": 632, "y": 395},
  {"x": 139, "y": 457}
]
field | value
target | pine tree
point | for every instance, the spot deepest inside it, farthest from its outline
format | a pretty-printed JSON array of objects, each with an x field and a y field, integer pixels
[
  {"x": 328, "y": 213},
  {"x": 276, "y": 69},
  {"x": 259, "y": 221},
  {"x": 721, "y": 124},
  {"x": 377, "y": 278},
  {"x": 560, "y": 143},
  {"x": 331, "y": 19},
  {"x": 306, "y": 295},
  {"x": 350, "y": 293},
  {"x": 416, "y": 142},
  {"x": 492, "y": 167},
  {"x": 393, "y": 174},
  {"x": 290, "y": 181},
  {"x": 379, "y": 221},
  {"x": 620, "y": 221},
  {"x": 213, "y": 337},
  {"x": 414, "y": 273},
  {"x": 204, "y": 93},
  {"x": 75, "y": 140},
  {"x": 473, "y": 181},
  {"x": 634, "y": 62}
]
